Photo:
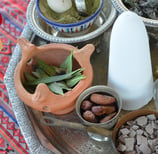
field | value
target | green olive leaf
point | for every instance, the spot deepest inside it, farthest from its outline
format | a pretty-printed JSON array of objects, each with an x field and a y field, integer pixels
[
  {"x": 67, "y": 63},
  {"x": 73, "y": 81},
  {"x": 29, "y": 77},
  {"x": 39, "y": 73},
  {"x": 63, "y": 85},
  {"x": 46, "y": 68},
  {"x": 55, "y": 88}
]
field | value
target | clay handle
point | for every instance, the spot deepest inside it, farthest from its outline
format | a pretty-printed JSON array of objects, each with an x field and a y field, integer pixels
[
  {"x": 84, "y": 53},
  {"x": 27, "y": 49},
  {"x": 41, "y": 93}
]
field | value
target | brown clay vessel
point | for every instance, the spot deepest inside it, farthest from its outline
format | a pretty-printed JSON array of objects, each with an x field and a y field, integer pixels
[
  {"x": 130, "y": 116},
  {"x": 54, "y": 54}
]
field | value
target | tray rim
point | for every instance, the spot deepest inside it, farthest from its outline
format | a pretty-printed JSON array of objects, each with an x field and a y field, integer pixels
[{"x": 18, "y": 106}]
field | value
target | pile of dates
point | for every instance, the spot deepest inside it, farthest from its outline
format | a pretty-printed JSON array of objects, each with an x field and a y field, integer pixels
[{"x": 99, "y": 108}]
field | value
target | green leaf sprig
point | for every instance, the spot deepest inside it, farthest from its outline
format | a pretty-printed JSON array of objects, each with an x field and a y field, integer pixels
[{"x": 58, "y": 79}]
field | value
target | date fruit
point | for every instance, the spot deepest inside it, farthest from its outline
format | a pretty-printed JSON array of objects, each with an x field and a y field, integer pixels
[
  {"x": 100, "y": 110},
  {"x": 102, "y": 99},
  {"x": 89, "y": 116},
  {"x": 86, "y": 105},
  {"x": 108, "y": 117}
]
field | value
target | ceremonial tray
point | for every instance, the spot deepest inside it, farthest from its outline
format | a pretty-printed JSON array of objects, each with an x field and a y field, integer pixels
[{"x": 46, "y": 140}]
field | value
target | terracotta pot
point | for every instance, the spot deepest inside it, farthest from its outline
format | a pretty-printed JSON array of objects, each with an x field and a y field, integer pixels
[{"x": 43, "y": 99}]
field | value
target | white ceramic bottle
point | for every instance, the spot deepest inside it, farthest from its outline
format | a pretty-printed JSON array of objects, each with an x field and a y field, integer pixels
[{"x": 130, "y": 70}]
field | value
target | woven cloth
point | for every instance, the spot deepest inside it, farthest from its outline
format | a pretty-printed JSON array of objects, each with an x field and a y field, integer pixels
[{"x": 14, "y": 18}]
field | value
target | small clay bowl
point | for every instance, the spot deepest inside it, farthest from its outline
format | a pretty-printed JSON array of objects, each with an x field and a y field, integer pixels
[
  {"x": 130, "y": 116},
  {"x": 53, "y": 54},
  {"x": 101, "y": 89}
]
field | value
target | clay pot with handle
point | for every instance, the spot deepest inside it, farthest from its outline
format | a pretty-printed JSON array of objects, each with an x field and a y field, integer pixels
[{"x": 54, "y": 54}]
